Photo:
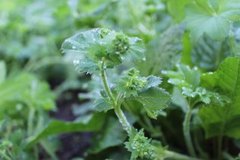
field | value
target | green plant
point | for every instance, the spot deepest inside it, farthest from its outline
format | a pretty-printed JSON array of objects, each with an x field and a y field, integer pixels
[
  {"x": 101, "y": 49},
  {"x": 24, "y": 103},
  {"x": 172, "y": 93}
]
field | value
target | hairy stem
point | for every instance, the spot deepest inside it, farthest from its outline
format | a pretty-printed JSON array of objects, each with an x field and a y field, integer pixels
[
  {"x": 105, "y": 84},
  {"x": 186, "y": 132},
  {"x": 117, "y": 108},
  {"x": 123, "y": 120}
]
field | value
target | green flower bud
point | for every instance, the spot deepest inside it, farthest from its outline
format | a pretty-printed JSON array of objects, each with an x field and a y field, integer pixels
[
  {"x": 140, "y": 146},
  {"x": 120, "y": 44}
]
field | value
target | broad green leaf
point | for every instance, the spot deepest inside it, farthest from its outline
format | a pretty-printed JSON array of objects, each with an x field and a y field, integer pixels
[
  {"x": 208, "y": 54},
  {"x": 154, "y": 100},
  {"x": 187, "y": 47},
  {"x": 176, "y": 8},
  {"x": 90, "y": 124},
  {"x": 170, "y": 44},
  {"x": 112, "y": 135},
  {"x": 89, "y": 47},
  {"x": 214, "y": 19},
  {"x": 224, "y": 119},
  {"x": 2, "y": 71}
]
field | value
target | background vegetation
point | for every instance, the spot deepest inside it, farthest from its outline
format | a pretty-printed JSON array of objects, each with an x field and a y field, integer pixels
[{"x": 48, "y": 107}]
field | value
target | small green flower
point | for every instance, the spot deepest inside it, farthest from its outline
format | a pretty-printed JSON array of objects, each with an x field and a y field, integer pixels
[
  {"x": 140, "y": 146},
  {"x": 120, "y": 44},
  {"x": 131, "y": 83}
]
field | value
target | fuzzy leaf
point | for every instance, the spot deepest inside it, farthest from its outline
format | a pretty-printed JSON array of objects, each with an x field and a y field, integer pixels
[
  {"x": 92, "y": 123},
  {"x": 176, "y": 8},
  {"x": 206, "y": 50},
  {"x": 225, "y": 119},
  {"x": 153, "y": 81},
  {"x": 154, "y": 100},
  {"x": 202, "y": 18},
  {"x": 101, "y": 105},
  {"x": 89, "y": 47}
]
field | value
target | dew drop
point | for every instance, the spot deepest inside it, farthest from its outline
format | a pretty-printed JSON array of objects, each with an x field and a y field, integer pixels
[
  {"x": 73, "y": 47},
  {"x": 76, "y": 62}
]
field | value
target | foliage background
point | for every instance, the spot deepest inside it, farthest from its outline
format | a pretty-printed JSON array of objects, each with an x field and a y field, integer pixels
[{"x": 46, "y": 105}]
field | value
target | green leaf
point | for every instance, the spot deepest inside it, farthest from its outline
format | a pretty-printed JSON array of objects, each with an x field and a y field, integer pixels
[
  {"x": 205, "y": 96},
  {"x": 208, "y": 54},
  {"x": 26, "y": 88},
  {"x": 2, "y": 71},
  {"x": 89, "y": 124},
  {"x": 170, "y": 44},
  {"x": 89, "y": 47},
  {"x": 184, "y": 77},
  {"x": 153, "y": 81},
  {"x": 179, "y": 100},
  {"x": 112, "y": 135},
  {"x": 101, "y": 105},
  {"x": 176, "y": 8},
  {"x": 154, "y": 100},
  {"x": 187, "y": 47},
  {"x": 213, "y": 19},
  {"x": 188, "y": 80},
  {"x": 224, "y": 119}
]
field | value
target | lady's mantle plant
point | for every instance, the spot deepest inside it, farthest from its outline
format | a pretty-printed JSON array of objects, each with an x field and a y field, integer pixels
[{"x": 98, "y": 50}]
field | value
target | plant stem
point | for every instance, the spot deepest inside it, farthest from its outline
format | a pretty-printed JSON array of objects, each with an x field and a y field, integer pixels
[
  {"x": 123, "y": 120},
  {"x": 186, "y": 132},
  {"x": 177, "y": 156},
  {"x": 219, "y": 147},
  {"x": 202, "y": 153},
  {"x": 117, "y": 108},
  {"x": 105, "y": 84}
]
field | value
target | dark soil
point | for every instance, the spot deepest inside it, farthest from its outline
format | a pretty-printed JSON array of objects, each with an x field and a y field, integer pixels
[{"x": 71, "y": 144}]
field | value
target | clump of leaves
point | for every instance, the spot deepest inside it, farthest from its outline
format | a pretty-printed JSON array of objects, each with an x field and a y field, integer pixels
[
  {"x": 98, "y": 50},
  {"x": 89, "y": 48},
  {"x": 188, "y": 80},
  {"x": 23, "y": 97}
]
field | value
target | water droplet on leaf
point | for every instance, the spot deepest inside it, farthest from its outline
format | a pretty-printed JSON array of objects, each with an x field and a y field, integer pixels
[{"x": 76, "y": 62}]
